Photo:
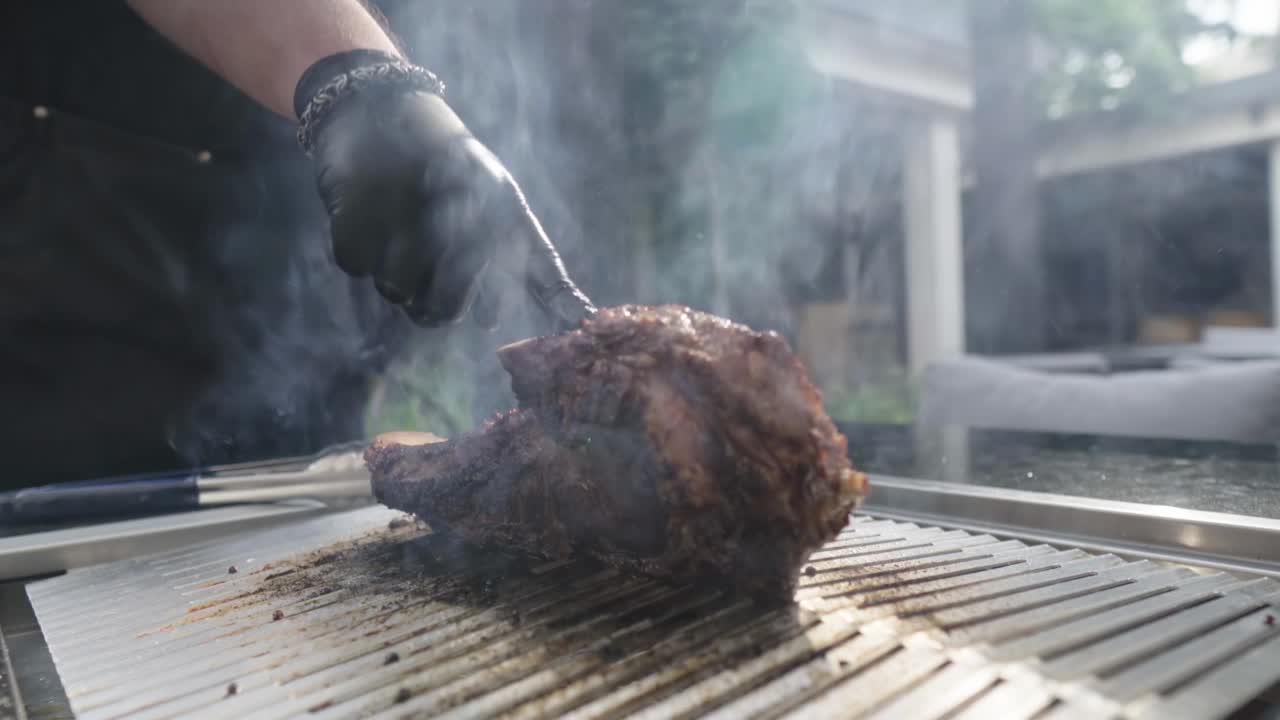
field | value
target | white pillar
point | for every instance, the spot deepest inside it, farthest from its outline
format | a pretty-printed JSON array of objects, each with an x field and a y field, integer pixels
[
  {"x": 1273, "y": 202},
  {"x": 934, "y": 259}
]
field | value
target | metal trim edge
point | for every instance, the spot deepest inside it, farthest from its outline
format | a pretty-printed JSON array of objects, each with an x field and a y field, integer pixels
[
  {"x": 1239, "y": 543},
  {"x": 25, "y": 556}
]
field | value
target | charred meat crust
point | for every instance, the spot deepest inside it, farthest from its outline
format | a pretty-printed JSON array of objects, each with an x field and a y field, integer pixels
[{"x": 656, "y": 439}]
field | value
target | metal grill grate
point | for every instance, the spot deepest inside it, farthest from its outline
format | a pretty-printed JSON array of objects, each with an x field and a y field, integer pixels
[{"x": 361, "y": 614}]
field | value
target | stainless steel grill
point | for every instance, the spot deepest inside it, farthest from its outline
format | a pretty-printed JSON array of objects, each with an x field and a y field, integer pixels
[
  {"x": 10, "y": 702},
  {"x": 358, "y": 615}
]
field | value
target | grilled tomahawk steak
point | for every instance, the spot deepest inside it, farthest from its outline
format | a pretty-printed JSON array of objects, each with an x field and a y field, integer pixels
[{"x": 656, "y": 439}]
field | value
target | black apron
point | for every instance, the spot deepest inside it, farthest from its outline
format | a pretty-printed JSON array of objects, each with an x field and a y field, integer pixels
[{"x": 164, "y": 304}]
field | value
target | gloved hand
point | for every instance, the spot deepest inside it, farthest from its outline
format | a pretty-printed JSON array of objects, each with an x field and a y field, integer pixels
[{"x": 417, "y": 202}]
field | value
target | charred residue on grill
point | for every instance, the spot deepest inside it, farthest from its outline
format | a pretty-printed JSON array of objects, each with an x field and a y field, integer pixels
[
  {"x": 394, "y": 571},
  {"x": 297, "y": 580},
  {"x": 568, "y": 611},
  {"x": 611, "y": 653}
]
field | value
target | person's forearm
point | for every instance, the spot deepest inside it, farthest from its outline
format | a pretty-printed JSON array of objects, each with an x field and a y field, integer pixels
[{"x": 263, "y": 46}]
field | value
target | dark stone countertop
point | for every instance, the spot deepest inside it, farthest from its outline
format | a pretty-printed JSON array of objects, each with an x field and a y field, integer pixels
[{"x": 1215, "y": 476}]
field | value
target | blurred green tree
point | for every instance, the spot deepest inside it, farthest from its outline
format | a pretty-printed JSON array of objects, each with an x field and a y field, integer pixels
[{"x": 1102, "y": 54}]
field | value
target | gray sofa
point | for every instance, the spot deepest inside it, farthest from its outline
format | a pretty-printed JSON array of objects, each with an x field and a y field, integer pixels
[{"x": 1236, "y": 402}]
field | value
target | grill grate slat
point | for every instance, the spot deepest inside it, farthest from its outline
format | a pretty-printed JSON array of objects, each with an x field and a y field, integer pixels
[
  {"x": 1086, "y": 605},
  {"x": 808, "y": 680},
  {"x": 1145, "y": 640},
  {"x": 1028, "y": 601},
  {"x": 875, "y": 686},
  {"x": 951, "y": 572},
  {"x": 1084, "y": 630},
  {"x": 1188, "y": 660},
  {"x": 355, "y": 616},
  {"x": 939, "y": 695},
  {"x": 1009, "y": 701},
  {"x": 1218, "y": 692}
]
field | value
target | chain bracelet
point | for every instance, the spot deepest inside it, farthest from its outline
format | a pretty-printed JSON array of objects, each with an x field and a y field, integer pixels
[{"x": 332, "y": 93}]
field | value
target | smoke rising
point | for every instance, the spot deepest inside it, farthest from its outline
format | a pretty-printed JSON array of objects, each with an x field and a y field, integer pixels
[
  {"x": 675, "y": 152},
  {"x": 298, "y": 343}
]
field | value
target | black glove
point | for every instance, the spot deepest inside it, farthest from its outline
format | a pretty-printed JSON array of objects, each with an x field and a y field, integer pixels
[{"x": 417, "y": 202}]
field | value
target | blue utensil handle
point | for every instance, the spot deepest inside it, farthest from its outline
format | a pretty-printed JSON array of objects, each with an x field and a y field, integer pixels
[{"x": 130, "y": 495}]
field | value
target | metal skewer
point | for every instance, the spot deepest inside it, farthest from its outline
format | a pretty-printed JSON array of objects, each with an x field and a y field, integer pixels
[{"x": 340, "y": 473}]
